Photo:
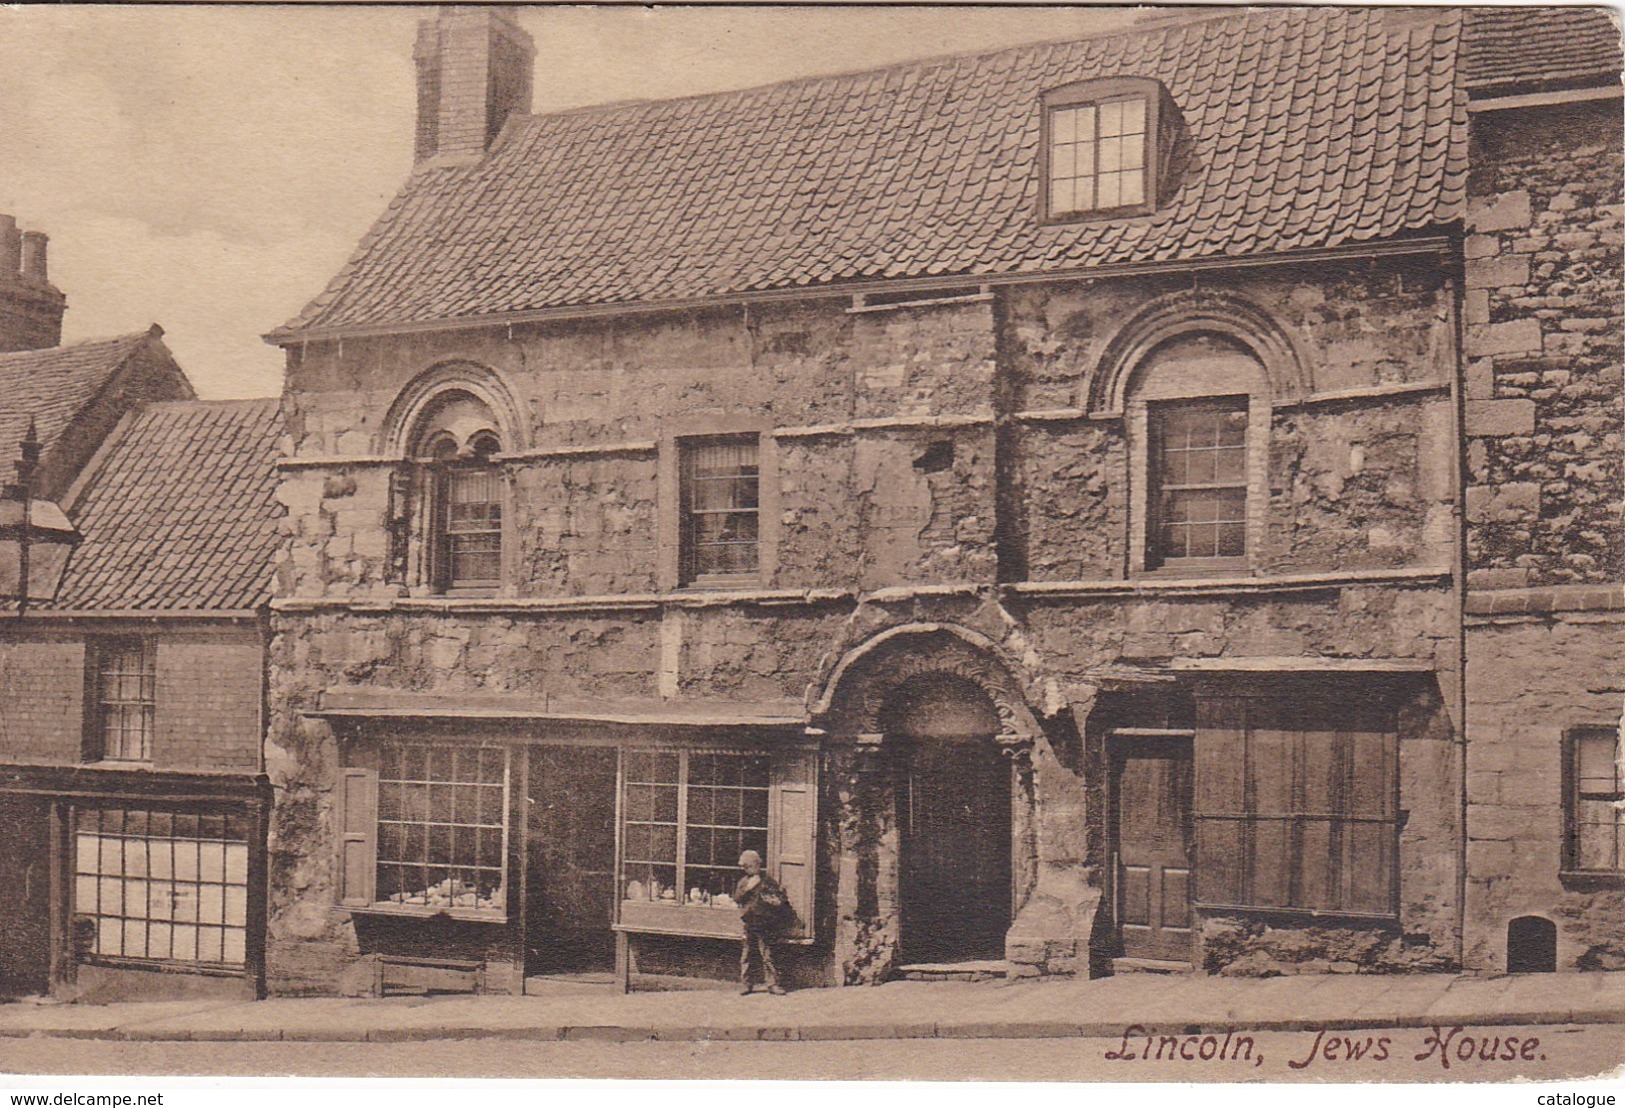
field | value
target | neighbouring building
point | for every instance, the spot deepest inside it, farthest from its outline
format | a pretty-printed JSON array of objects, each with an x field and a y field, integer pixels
[
  {"x": 1545, "y": 492},
  {"x": 133, "y": 803},
  {"x": 30, "y": 306},
  {"x": 1019, "y": 494}
]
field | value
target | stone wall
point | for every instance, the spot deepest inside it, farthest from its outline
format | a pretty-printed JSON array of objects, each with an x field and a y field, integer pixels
[
  {"x": 1544, "y": 317},
  {"x": 1530, "y": 678},
  {"x": 1376, "y": 337}
]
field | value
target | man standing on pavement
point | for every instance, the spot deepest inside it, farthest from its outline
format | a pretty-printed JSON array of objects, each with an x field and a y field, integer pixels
[{"x": 762, "y": 905}]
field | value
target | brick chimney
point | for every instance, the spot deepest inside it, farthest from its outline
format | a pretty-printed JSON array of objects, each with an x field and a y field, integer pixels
[
  {"x": 30, "y": 306},
  {"x": 475, "y": 66}
]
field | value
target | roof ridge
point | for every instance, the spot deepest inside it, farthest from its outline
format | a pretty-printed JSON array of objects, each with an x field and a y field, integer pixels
[
  {"x": 67, "y": 347},
  {"x": 1197, "y": 15},
  {"x": 220, "y": 402}
]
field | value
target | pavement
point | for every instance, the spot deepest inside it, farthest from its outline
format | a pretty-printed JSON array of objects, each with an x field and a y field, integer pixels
[{"x": 899, "y": 1010}]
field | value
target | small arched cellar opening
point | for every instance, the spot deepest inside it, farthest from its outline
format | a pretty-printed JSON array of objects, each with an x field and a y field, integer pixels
[
  {"x": 1531, "y": 945},
  {"x": 954, "y": 818}
]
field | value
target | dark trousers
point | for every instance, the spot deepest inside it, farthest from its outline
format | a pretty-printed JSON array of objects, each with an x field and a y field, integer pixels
[{"x": 757, "y": 950}]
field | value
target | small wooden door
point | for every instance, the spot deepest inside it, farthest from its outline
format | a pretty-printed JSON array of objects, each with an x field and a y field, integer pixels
[
  {"x": 570, "y": 878},
  {"x": 25, "y": 914},
  {"x": 956, "y": 851},
  {"x": 1151, "y": 787}
]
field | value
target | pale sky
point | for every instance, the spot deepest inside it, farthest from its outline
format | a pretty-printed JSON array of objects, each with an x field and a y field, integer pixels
[{"x": 210, "y": 168}]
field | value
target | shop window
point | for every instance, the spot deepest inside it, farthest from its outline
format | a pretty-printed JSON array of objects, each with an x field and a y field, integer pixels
[
  {"x": 442, "y": 825},
  {"x": 123, "y": 681},
  {"x": 1296, "y": 809},
  {"x": 425, "y": 830},
  {"x": 162, "y": 886},
  {"x": 720, "y": 510},
  {"x": 1198, "y": 482},
  {"x": 687, "y": 815},
  {"x": 1594, "y": 802}
]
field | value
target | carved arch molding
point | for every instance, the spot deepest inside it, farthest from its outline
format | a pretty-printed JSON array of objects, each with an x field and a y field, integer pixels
[
  {"x": 455, "y": 376},
  {"x": 1286, "y": 363},
  {"x": 867, "y": 680}
]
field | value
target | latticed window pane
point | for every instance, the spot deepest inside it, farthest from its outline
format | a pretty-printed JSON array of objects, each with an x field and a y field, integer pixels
[
  {"x": 687, "y": 816},
  {"x": 1097, "y": 155},
  {"x": 472, "y": 520},
  {"x": 442, "y": 825},
  {"x": 124, "y": 692},
  {"x": 1199, "y": 481},
  {"x": 721, "y": 508},
  {"x": 1597, "y": 803},
  {"x": 727, "y": 815},
  {"x": 163, "y": 886}
]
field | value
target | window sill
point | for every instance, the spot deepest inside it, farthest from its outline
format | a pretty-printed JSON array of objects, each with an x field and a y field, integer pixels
[
  {"x": 645, "y": 916},
  {"x": 1586, "y": 879},
  {"x": 721, "y": 583},
  {"x": 1299, "y": 913},
  {"x": 420, "y": 911},
  {"x": 164, "y": 965},
  {"x": 1098, "y": 215},
  {"x": 1195, "y": 569}
]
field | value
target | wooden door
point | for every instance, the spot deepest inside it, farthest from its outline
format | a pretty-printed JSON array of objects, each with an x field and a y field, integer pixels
[
  {"x": 956, "y": 851},
  {"x": 570, "y": 878},
  {"x": 1152, "y": 817},
  {"x": 25, "y": 914}
]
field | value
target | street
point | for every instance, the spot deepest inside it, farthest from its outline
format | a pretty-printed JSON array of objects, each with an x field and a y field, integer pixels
[{"x": 1472, "y": 1054}]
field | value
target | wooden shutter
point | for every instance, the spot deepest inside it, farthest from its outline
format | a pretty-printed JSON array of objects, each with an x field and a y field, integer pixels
[
  {"x": 793, "y": 833},
  {"x": 358, "y": 822},
  {"x": 1221, "y": 803}
]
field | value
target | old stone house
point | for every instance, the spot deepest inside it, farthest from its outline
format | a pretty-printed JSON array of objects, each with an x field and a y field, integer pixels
[
  {"x": 133, "y": 807},
  {"x": 1019, "y": 494}
]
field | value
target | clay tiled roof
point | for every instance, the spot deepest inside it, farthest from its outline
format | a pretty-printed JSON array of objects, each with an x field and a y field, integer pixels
[
  {"x": 180, "y": 513},
  {"x": 1531, "y": 46},
  {"x": 1312, "y": 127},
  {"x": 54, "y": 385}
]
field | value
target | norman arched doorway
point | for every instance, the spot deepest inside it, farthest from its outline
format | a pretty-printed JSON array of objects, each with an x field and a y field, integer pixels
[{"x": 954, "y": 796}]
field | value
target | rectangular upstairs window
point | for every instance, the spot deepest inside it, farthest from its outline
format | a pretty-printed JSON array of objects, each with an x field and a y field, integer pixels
[
  {"x": 1594, "y": 802},
  {"x": 1097, "y": 156},
  {"x": 124, "y": 700},
  {"x": 721, "y": 526},
  {"x": 471, "y": 513},
  {"x": 1198, "y": 482}
]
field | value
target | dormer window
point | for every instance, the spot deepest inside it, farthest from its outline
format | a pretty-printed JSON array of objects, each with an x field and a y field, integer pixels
[{"x": 1102, "y": 144}]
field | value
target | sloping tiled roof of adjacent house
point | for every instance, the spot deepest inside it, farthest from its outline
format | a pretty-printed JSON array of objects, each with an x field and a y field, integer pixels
[
  {"x": 1535, "y": 46},
  {"x": 180, "y": 512},
  {"x": 54, "y": 385},
  {"x": 1312, "y": 127}
]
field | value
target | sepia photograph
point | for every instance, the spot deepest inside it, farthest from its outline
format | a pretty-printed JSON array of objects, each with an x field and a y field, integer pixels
[{"x": 768, "y": 542}]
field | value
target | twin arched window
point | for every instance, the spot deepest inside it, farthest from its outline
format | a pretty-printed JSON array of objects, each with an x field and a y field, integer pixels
[{"x": 455, "y": 444}]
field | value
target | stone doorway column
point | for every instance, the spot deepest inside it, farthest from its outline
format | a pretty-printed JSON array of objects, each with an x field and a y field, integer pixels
[{"x": 862, "y": 833}]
